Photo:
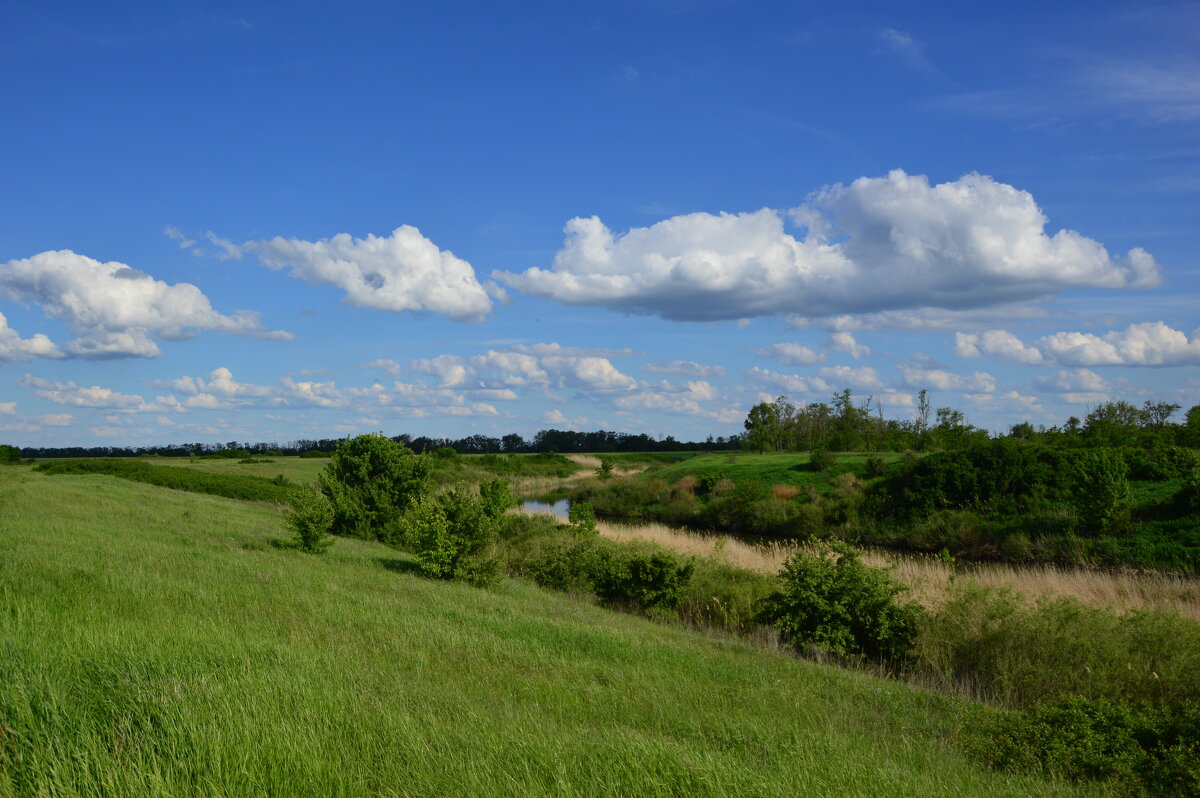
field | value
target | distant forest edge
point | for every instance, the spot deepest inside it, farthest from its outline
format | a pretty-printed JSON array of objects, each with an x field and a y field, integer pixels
[
  {"x": 551, "y": 440},
  {"x": 842, "y": 425}
]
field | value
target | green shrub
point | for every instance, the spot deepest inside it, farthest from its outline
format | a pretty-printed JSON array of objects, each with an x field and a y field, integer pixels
[
  {"x": 451, "y": 534},
  {"x": 9, "y": 455},
  {"x": 996, "y": 643},
  {"x": 822, "y": 460},
  {"x": 310, "y": 518},
  {"x": 446, "y": 453},
  {"x": 370, "y": 482},
  {"x": 876, "y": 467},
  {"x": 639, "y": 581},
  {"x": 582, "y": 518},
  {"x": 1139, "y": 747},
  {"x": 832, "y": 601},
  {"x": 1101, "y": 488},
  {"x": 1187, "y": 500}
]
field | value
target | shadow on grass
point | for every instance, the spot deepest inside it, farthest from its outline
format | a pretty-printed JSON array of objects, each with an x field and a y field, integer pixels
[{"x": 399, "y": 566}]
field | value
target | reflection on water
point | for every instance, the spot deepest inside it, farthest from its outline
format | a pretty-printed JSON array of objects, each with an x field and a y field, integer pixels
[{"x": 558, "y": 509}]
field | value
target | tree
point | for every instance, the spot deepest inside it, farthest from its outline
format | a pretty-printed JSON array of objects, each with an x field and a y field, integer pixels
[
  {"x": 762, "y": 427},
  {"x": 9, "y": 454},
  {"x": 370, "y": 482}
]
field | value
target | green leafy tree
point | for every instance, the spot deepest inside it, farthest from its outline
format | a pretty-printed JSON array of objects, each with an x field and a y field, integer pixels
[
  {"x": 833, "y": 601},
  {"x": 9, "y": 455},
  {"x": 370, "y": 482}
]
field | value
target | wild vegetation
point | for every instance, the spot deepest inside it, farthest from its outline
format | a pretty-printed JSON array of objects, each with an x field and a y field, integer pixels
[
  {"x": 160, "y": 642},
  {"x": 1119, "y": 489},
  {"x": 1058, "y": 680}
]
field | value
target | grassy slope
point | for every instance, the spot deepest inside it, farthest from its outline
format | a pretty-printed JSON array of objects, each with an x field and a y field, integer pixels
[
  {"x": 154, "y": 642},
  {"x": 773, "y": 469}
]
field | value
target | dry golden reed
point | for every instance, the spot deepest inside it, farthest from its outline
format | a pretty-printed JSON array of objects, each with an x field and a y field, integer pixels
[{"x": 929, "y": 579}]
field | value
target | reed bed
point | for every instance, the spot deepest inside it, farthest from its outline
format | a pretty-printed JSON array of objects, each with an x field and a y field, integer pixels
[{"x": 929, "y": 578}]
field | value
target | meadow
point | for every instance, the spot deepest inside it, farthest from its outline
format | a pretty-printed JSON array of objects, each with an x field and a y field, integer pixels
[{"x": 161, "y": 642}]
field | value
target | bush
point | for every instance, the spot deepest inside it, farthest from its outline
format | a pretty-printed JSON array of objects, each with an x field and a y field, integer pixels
[
  {"x": 830, "y": 600},
  {"x": 1101, "y": 488},
  {"x": 1188, "y": 498},
  {"x": 582, "y": 518},
  {"x": 370, "y": 482},
  {"x": 1139, "y": 747},
  {"x": 876, "y": 467},
  {"x": 9, "y": 455},
  {"x": 310, "y": 518},
  {"x": 822, "y": 460},
  {"x": 995, "y": 643},
  {"x": 644, "y": 582},
  {"x": 451, "y": 533}
]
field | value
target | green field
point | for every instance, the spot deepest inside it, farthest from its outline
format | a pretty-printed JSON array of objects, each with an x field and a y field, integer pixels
[
  {"x": 157, "y": 642},
  {"x": 773, "y": 469}
]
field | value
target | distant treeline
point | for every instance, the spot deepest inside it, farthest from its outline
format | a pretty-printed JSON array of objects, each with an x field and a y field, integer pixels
[
  {"x": 847, "y": 425},
  {"x": 549, "y": 440}
]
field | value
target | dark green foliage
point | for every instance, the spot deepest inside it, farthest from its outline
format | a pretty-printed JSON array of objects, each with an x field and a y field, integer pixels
[
  {"x": 1101, "y": 488},
  {"x": 1022, "y": 653},
  {"x": 232, "y": 486},
  {"x": 452, "y": 532},
  {"x": 834, "y": 602},
  {"x": 310, "y": 518},
  {"x": 876, "y": 467},
  {"x": 446, "y": 453},
  {"x": 9, "y": 455},
  {"x": 315, "y": 453},
  {"x": 370, "y": 482},
  {"x": 644, "y": 582},
  {"x": 605, "y": 471},
  {"x": 497, "y": 497},
  {"x": 1004, "y": 474},
  {"x": 639, "y": 577},
  {"x": 582, "y": 518},
  {"x": 822, "y": 460},
  {"x": 1188, "y": 498},
  {"x": 1141, "y": 748},
  {"x": 255, "y": 460}
]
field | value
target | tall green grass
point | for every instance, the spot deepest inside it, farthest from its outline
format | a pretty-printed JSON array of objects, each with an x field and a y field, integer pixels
[
  {"x": 156, "y": 643},
  {"x": 218, "y": 483}
]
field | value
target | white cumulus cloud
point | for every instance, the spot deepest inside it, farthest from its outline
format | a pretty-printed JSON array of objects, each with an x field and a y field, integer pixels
[
  {"x": 845, "y": 342},
  {"x": 878, "y": 244},
  {"x": 401, "y": 271},
  {"x": 684, "y": 368},
  {"x": 15, "y": 348},
  {"x": 112, "y": 310},
  {"x": 942, "y": 380},
  {"x": 791, "y": 354},
  {"x": 1147, "y": 344}
]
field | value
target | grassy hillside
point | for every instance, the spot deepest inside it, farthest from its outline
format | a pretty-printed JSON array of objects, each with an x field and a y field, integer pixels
[
  {"x": 156, "y": 642},
  {"x": 773, "y": 469}
]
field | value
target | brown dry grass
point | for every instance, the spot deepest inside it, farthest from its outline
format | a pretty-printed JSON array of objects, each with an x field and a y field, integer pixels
[
  {"x": 785, "y": 491},
  {"x": 929, "y": 579}
]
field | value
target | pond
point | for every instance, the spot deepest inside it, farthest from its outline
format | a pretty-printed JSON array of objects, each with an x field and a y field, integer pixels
[{"x": 558, "y": 509}]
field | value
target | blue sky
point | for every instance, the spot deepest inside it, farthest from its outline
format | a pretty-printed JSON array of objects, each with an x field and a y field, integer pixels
[{"x": 266, "y": 221}]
